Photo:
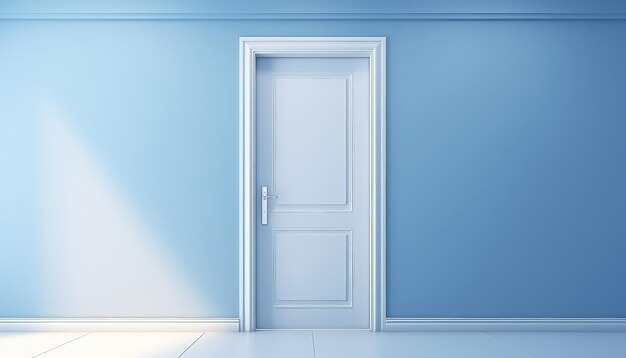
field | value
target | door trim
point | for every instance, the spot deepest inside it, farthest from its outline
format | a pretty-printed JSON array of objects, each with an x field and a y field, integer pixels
[{"x": 250, "y": 48}]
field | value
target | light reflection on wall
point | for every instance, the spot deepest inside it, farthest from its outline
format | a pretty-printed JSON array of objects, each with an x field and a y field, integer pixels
[{"x": 99, "y": 256}]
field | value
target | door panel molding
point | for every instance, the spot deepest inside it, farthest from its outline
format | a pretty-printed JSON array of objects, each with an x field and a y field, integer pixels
[
  {"x": 305, "y": 234},
  {"x": 250, "y": 48},
  {"x": 303, "y": 207}
]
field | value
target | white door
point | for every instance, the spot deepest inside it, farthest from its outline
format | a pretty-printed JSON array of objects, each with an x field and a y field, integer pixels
[{"x": 312, "y": 243}]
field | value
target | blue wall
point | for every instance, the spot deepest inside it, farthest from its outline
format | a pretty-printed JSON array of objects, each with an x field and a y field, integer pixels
[{"x": 506, "y": 142}]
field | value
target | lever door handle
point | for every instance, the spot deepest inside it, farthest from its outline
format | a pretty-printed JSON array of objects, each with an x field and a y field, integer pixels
[{"x": 264, "y": 199}]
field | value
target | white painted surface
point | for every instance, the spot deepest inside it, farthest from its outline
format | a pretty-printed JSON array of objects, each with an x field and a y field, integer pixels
[
  {"x": 311, "y": 115},
  {"x": 407, "y": 324},
  {"x": 296, "y": 267},
  {"x": 252, "y": 48},
  {"x": 313, "y": 153},
  {"x": 118, "y": 324}
]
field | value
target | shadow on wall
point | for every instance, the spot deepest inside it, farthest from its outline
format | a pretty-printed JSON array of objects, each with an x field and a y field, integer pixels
[{"x": 99, "y": 256}]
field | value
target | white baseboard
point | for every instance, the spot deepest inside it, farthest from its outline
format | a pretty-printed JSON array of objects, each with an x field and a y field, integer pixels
[
  {"x": 118, "y": 324},
  {"x": 391, "y": 324},
  {"x": 504, "y": 324}
]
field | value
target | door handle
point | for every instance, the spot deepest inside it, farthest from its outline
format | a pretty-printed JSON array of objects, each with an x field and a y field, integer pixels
[{"x": 264, "y": 200}]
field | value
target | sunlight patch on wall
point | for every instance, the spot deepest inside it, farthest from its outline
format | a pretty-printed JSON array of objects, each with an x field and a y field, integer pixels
[{"x": 100, "y": 258}]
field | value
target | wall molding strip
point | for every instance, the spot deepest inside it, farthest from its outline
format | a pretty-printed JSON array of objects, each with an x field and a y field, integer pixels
[
  {"x": 118, "y": 324},
  {"x": 318, "y": 16},
  {"x": 505, "y": 324}
]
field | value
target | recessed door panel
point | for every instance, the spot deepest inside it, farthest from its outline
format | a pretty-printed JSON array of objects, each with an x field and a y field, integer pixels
[
  {"x": 312, "y": 255},
  {"x": 312, "y": 268},
  {"x": 312, "y": 124}
]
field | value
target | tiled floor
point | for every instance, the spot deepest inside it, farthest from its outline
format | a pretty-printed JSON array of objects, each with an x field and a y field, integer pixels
[{"x": 317, "y": 344}]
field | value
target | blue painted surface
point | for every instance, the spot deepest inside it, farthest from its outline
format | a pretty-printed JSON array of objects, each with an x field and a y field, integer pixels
[
  {"x": 506, "y": 193},
  {"x": 506, "y": 175}
]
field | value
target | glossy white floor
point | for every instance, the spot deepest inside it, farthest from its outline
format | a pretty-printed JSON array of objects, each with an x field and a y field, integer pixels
[{"x": 317, "y": 344}]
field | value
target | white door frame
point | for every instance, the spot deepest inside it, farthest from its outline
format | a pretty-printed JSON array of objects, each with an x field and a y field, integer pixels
[{"x": 250, "y": 48}]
